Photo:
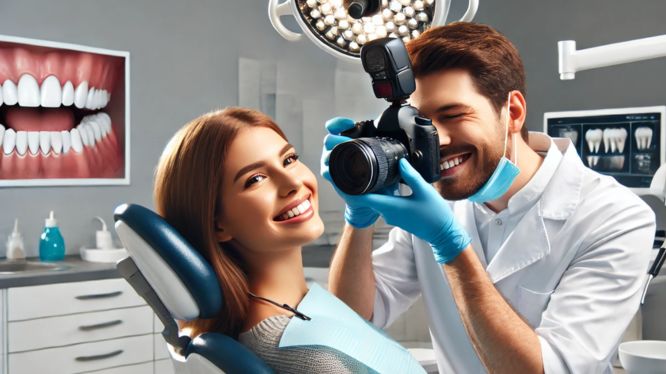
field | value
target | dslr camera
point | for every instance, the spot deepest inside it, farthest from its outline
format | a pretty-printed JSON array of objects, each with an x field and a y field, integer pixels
[{"x": 370, "y": 161}]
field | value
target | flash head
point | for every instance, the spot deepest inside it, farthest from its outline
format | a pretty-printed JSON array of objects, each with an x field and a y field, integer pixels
[{"x": 387, "y": 62}]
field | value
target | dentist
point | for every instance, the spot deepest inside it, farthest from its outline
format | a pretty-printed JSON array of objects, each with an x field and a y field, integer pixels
[{"x": 537, "y": 263}]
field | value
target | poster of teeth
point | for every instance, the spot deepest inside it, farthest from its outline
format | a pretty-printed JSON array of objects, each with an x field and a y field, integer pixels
[
  {"x": 626, "y": 143},
  {"x": 64, "y": 114}
]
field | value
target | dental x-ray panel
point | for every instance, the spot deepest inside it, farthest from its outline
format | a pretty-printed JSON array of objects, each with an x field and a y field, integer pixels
[{"x": 626, "y": 143}]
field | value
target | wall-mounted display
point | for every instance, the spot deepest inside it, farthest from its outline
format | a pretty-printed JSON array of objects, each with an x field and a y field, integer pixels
[
  {"x": 64, "y": 114},
  {"x": 626, "y": 143}
]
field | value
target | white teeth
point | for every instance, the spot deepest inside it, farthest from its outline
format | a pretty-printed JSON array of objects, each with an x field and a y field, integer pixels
[
  {"x": 643, "y": 137},
  {"x": 571, "y": 134},
  {"x": 90, "y": 98},
  {"x": 2, "y": 132},
  {"x": 68, "y": 94},
  {"x": 91, "y": 134},
  {"x": 9, "y": 142},
  {"x": 81, "y": 95},
  {"x": 592, "y": 161},
  {"x": 290, "y": 213},
  {"x": 450, "y": 163},
  {"x": 606, "y": 137},
  {"x": 296, "y": 211},
  {"x": 51, "y": 93},
  {"x": 28, "y": 91},
  {"x": 56, "y": 141},
  {"x": 620, "y": 139},
  {"x": 84, "y": 134},
  {"x": 66, "y": 141},
  {"x": 44, "y": 142},
  {"x": 9, "y": 92},
  {"x": 77, "y": 146},
  {"x": 22, "y": 142},
  {"x": 33, "y": 141},
  {"x": 593, "y": 138}
]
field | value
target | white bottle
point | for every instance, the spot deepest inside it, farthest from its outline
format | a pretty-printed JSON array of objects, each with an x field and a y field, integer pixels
[
  {"x": 103, "y": 238},
  {"x": 15, "y": 244}
]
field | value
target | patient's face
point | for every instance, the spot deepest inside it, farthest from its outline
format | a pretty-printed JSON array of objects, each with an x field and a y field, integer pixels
[{"x": 269, "y": 198}]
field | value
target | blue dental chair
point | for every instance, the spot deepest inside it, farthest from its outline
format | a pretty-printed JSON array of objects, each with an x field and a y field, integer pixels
[{"x": 179, "y": 284}]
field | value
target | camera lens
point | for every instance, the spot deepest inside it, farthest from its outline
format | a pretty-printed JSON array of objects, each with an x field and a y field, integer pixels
[{"x": 366, "y": 165}]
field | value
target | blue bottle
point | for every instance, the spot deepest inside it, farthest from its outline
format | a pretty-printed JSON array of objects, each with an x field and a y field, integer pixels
[{"x": 51, "y": 244}]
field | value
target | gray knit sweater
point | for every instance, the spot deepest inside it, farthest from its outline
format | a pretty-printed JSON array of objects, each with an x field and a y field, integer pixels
[{"x": 264, "y": 338}]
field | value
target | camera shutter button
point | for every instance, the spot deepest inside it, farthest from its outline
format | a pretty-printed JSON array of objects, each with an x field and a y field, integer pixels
[{"x": 417, "y": 156}]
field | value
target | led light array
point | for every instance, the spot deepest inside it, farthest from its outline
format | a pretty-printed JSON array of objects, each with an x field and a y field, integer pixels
[{"x": 405, "y": 19}]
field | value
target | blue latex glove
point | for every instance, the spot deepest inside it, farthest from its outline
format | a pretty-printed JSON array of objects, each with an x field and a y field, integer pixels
[
  {"x": 357, "y": 214},
  {"x": 424, "y": 213}
]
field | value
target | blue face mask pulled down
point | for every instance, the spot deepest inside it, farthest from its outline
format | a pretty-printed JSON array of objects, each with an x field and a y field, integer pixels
[{"x": 503, "y": 176}]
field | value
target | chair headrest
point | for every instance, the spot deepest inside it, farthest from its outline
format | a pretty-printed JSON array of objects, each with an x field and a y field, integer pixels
[{"x": 181, "y": 277}]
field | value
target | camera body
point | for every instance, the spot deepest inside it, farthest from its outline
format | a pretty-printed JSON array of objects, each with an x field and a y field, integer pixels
[{"x": 370, "y": 161}]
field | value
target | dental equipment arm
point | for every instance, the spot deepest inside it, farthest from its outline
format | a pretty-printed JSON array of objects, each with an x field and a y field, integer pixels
[{"x": 571, "y": 60}]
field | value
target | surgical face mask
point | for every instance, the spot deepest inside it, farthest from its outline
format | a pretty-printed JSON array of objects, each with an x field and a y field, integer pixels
[{"x": 505, "y": 172}]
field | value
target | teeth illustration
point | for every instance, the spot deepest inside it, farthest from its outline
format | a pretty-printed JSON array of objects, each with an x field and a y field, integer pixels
[
  {"x": 2, "y": 132},
  {"x": 84, "y": 134},
  {"x": 91, "y": 135},
  {"x": 643, "y": 137},
  {"x": 617, "y": 162},
  {"x": 621, "y": 138},
  {"x": 51, "y": 94},
  {"x": 56, "y": 141},
  {"x": 77, "y": 146},
  {"x": 97, "y": 131},
  {"x": 81, "y": 95},
  {"x": 21, "y": 142},
  {"x": 571, "y": 134},
  {"x": 9, "y": 142},
  {"x": 9, "y": 92},
  {"x": 68, "y": 94},
  {"x": 28, "y": 91},
  {"x": 44, "y": 142},
  {"x": 33, "y": 141},
  {"x": 606, "y": 137},
  {"x": 66, "y": 141},
  {"x": 593, "y": 138}
]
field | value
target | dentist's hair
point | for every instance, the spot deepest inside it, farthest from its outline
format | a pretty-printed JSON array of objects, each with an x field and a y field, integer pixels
[
  {"x": 187, "y": 193},
  {"x": 492, "y": 61}
]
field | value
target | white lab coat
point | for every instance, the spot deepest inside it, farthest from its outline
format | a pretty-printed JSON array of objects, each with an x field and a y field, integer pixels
[{"x": 573, "y": 268}]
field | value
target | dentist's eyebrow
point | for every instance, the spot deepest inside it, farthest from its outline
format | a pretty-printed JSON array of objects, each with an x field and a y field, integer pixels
[
  {"x": 456, "y": 106},
  {"x": 258, "y": 164}
]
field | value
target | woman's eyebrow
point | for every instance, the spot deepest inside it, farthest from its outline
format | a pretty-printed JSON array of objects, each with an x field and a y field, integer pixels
[{"x": 258, "y": 164}]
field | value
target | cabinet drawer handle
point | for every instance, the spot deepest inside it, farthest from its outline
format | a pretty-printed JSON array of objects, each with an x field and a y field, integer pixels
[
  {"x": 98, "y": 295},
  {"x": 99, "y": 357},
  {"x": 100, "y": 325}
]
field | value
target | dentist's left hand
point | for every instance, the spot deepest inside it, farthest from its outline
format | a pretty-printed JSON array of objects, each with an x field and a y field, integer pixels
[{"x": 424, "y": 213}]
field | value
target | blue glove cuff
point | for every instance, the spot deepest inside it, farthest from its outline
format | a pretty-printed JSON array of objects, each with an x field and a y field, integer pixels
[
  {"x": 453, "y": 247},
  {"x": 360, "y": 217}
]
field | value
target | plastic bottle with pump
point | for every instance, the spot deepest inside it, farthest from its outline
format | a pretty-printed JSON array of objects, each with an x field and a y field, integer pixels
[
  {"x": 51, "y": 245},
  {"x": 15, "y": 244}
]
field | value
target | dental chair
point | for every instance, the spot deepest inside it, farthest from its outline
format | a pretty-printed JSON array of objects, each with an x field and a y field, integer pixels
[{"x": 178, "y": 284}]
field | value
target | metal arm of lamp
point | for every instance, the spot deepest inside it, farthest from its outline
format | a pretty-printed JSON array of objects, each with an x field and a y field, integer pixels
[{"x": 571, "y": 60}]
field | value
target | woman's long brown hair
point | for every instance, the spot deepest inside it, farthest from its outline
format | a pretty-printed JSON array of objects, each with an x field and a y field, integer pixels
[{"x": 187, "y": 193}]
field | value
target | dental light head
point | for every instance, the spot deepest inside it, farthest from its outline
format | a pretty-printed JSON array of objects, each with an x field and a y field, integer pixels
[{"x": 342, "y": 27}]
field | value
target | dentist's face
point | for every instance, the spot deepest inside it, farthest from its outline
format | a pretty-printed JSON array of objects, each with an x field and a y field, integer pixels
[
  {"x": 269, "y": 198},
  {"x": 471, "y": 137}
]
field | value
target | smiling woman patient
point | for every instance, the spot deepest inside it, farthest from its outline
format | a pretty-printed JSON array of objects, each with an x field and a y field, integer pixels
[{"x": 230, "y": 182}]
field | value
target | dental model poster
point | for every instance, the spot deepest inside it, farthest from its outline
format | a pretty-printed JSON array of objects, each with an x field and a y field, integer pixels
[
  {"x": 625, "y": 143},
  {"x": 64, "y": 114}
]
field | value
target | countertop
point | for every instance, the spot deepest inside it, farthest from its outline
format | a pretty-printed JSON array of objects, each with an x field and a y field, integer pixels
[
  {"x": 78, "y": 270},
  {"x": 75, "y": 270}
]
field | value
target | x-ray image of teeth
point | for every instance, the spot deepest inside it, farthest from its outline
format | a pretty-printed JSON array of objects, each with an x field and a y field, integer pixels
[
  {"x": 614, "y": 139},
  {"x": 569, "y": 133},
  {"x": 643, "y": 137},
  {"x": 593, "y": 138},
  {"x": 592, "y": 161},
  {"x": 643, "y": 163},
  {"x": 616, "y": 163}
]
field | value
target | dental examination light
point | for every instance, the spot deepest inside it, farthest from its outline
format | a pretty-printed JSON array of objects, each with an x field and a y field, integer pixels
[
  {"x": 342, "y": 27},
  {"x": 571, "y": 60}
]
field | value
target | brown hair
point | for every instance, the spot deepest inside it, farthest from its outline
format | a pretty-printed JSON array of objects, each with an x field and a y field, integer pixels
[
  {"x": 187, "y": 193},
  {"x": 491, "y": 59}
]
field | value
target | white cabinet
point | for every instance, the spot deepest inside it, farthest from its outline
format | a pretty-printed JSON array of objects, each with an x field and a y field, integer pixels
[{"x": 101, "y": 326}]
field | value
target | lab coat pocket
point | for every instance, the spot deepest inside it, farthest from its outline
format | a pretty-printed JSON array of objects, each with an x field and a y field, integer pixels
[{"x": 531, "y": 304}]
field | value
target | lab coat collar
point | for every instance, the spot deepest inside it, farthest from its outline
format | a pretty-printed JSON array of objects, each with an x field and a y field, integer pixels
[{"x": 529, "y": 241}]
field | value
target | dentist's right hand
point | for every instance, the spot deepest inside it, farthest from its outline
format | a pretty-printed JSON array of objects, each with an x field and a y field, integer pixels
[{"x": 357, "y": 214}]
